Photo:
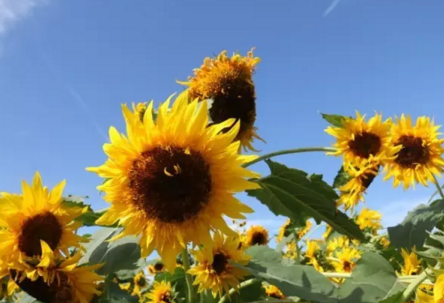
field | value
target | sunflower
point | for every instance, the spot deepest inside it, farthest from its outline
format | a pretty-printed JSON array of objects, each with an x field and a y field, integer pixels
[
  {"x": 310, "y": 254},
  {"x": 438, "y": 293},
  {"x": 346, "y": 259},
  {"x": 174, "y": 181},
  {"x": 256, "y": 235},
  {"x": 384, "y": 242},
  {"x": 412, "y": 265},
  {"x": 36, "y": 215},
  {"x": 420, "y": 157},
  {"x": 156, "y": 268},
  {"x": 301, "y": 232},
  {"x": 228, "y": 82},
  {"x": 162, "y": 292},
  {"x": 369, "y": 219},
  {"x": 140, "y": 283},
  {"x": 361, "y": 141},
  {"x": 291, "y": 251},
  {"x": 327, "y": 232},
  {"x": 63, "y": 281},
  {"x": 353, "y": 191},
  {"x": 338, "y": 243},
  {"x": 215, "y": 271},
  {"x": 274, "y": 292},
  {"x": 282, "y": 231}
]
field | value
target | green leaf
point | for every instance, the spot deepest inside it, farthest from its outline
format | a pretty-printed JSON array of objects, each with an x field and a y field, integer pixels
[
  {"x": 294, "y": 280},
  {"x": 295, "y": 194},
  {"x": 335, "y": 120},
  {"x": 113, "y": 294},
  {"x": 250, "y": 293},
  {"x": 90, "y": 217},
  {"x": 341, "y": 178},
  {"x": 373, "y": 280},
  {"x": 177, "y": 280},
  {"x": 413, "y": 231}
]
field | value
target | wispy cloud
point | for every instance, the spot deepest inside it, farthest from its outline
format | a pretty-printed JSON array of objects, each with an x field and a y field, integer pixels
[
  {"x": 12, "y": 11},
  {"x": 331, "y": 8}
]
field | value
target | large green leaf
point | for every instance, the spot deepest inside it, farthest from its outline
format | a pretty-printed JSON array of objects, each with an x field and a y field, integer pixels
[
  {"x": 251, "y": 293},
  {"x": 293, "y": 280},
  {"x": 341, "y": 178},
  {"x": 295, "y": 194},
  {"x": 335, "y": 120},
  {"x": 373, "y": 280},
  {"x": 413, "y": 231}
]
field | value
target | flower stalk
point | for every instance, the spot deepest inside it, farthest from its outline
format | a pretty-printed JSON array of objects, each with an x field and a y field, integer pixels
[{"x": 188, "y": 277}]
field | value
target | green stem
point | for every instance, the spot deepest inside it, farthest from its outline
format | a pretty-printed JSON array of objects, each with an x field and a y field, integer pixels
[
  {"x": 188, "y": 277},
  {"x": 438, "y": 187},
  {"x": 290, "y": 151},
  {"x": 247, "y": 283},
  {"x": 412, "y": 287},
  {"x": 298, "y": 251}
]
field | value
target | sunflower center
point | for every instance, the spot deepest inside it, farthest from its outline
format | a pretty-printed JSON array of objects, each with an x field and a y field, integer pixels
[
  {"x": 165, "y": 297},
  {"x": 141, "y": 281},
  {"x": 365, "y": 144},
  {"x": 59, "y": 291},
  {"x": 158, "y": 266},
  {"x": 347, "y": 266},
  {"x": 44, "y": 227},
  {"x": 219, "y": 263},
  {"x": 170, "y": 184},
  {"x": 259, "y": 239},
  {"x": 412, "y": 152}
]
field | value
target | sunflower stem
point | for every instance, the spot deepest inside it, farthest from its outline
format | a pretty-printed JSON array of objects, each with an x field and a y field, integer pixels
[
  {"x": 289, "y": 151},
  {"x": 188, "y": 277},
  {"x": 244, "y": 284},
  {"x": 413, "y": 286},
  {"x": 438, "y": 187},
  {"x": 298, "y": 251}
]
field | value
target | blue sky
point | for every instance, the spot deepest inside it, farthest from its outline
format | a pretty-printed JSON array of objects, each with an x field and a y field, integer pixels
[{"x": 66, "y": 66}]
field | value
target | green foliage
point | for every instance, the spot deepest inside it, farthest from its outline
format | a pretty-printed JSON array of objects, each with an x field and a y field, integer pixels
[
  {"x": 335, "y": 120},
  {"x": 413, "y": 231},
  {"x": 295, "y": 194},
  {"x": 341, "y": 178},
  {"x": 90, "y": 217},
  {"x": 251, "y": 293},
  {"x": 113, "y": 294},
  {"x": 177, "y": 280},
  {"x": 373, "y": 280}
]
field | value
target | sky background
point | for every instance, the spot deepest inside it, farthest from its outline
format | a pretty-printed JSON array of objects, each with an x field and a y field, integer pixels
[{"x": 66, "y": 66}]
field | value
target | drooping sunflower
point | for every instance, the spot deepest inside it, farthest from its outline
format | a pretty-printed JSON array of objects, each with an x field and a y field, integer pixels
[
  {"x": 412, "y": 264},
  {"x": 346, "y": 259},
  {"x": 173, "y": 182},
  {"x": 36, "y": 215},
  {"x": 274, "y": 292},
  {"x": 162, "y": 292},
  {"x": 256, "y": 235},
  {"x": 215, "y": 271},
  {"x": 361, "y": 178},
  {"x": 301, "y": 232},
  {"x": 228, "y": 82},
  {"x": 363, "y": 141},
  {"x": 420, "y": 156},
  {"x": 156, "y": 268},
  {"x": 63, "y": 281},
  {"x": 369, "y": 219}
]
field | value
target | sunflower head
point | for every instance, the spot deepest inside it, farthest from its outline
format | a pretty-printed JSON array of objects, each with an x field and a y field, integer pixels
[
  {"x": 228, "y": 82},
  {"x": 140, "y": 283},
  {"x": 412, "y": 264},
  {"x": 274, "y": 292},
  {"x": 173, "y": 180},
  {"x": 369, "y": 219},
  {"x": 162, "y": 292},
  {"x": 156, "y": 268},
  {"x": 256, "y": 235},
  {"x": 346, "y": 259},
  {"x": 362, "y": 141},
  {"x": 214, "y": 270},
  {"x": 420, "y": 154}
]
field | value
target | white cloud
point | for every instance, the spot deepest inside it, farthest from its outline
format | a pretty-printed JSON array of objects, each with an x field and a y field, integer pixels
[
  {"x": 11, "y": 11},
  {"x": 393, "y": 213},
  {"x": 331, "y": 8}
]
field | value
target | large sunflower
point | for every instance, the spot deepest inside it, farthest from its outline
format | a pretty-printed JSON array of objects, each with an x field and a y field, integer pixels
[
  {"x": 173, "y": 180},
  {"x": 36, "y": 215},
  {"x": 421, "y": 152},
  {"x": 361, "y": 141},
  {"x": 215, "y": 271},
  {"x": 256, "y": 235},
  {"x": 228, "y": 82}
]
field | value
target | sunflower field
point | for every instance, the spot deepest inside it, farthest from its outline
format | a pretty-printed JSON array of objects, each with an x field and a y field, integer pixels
[{"x": 175, "y": 230}]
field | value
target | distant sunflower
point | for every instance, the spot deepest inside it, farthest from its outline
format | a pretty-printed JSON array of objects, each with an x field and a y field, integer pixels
[
  {"x": 412, "y": 264},
  {"x": 274, "y": 292},
  {"x": 228, "y": 82},
  {"x": 282, "y": 231},
  {"x": 337, "y": 243},
  {"x": 301, "y": 232},
  {"x": 174, "y": 181},
  {"x": 384, "y": 242},
  {"x": 156, "y": 268},
  {"x": 215, "y": 271},
  {"x": 63, "y": 283},
  {"x": 140, "y": 283},
  {"x": 346, "y": 259},
  {"x": 361, "y": 178},
  {"x": 256, "y": 235},
  {"x": 361, "y": 141},
  {"x": 369, "y": 219},
  {"x": 162, "y": 292},
  {"x": 37, "y": 215},
  {"x": 310, "y": 254},
  {"x": 421, "y": 152}
]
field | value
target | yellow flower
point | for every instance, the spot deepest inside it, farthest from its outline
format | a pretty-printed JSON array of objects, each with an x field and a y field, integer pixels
[
  {"x": 312, "y": 249},
  {"x": 421, "y": 152},
  {"x": 353, "y": 192},
  {"x": 425, "y": 294},
  {"x": 291, "y": 252},
  {"x": 274, "y": 292},
  {"x": 156, "y": 268},
  {"x": 140, "y": 283},
  {"x": 327, "y": 232},
  {"x": 412, "y": 265},
  {"x": 36, "y": 215},
  {"x": 282, "y": 230},
  {"x": 361, "y": 141},
  {"x": 346, "y": 259},
  {"x": 256, "y": 235},
  {"x": 438, "y": 292},
  {"x": 174, "y": 181},
  {"x": 228, "y": 82},
  {"x": 161, "y": 293},
  {"x": 384, "y": 242},
  {"x": 301, "y": 233},
  {"x": 214, "y": 270},
  {"x": 369, "y": 219},
  {"x": 337, "y": 243}
]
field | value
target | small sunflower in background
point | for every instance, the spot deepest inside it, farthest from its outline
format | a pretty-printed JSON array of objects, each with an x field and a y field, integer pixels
[
  {"x": 274, "y": 292},
  {"x": 162, "y": 292},
  {"x": 140, "y": 283},
  {"x": 228, "y": 82},
  {"x": 345, "y": 259},
  {"x": 35, "y": 216},
  {"x": 412, "y": 264},
  {"x": 173, "y": 180},
  {"x": 363, "y": 141},
  {"x": 256, "y": 235},
  {"x": 420, "y": 156},
  {"x": 156, "y": 268},
  {"x": 369, "y": 219},
  {"x": 310, "y": 254},
  {"x": 214, "y": 270}
]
